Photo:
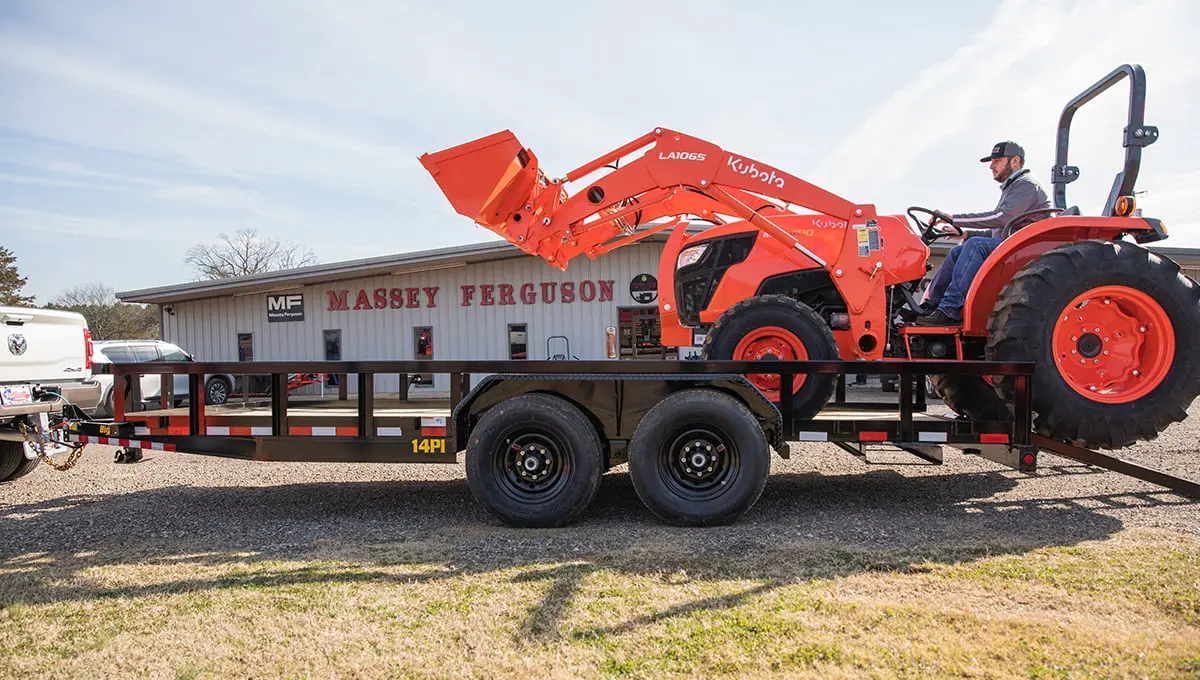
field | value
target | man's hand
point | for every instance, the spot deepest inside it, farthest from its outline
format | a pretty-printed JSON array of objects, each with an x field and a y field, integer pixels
[{"x": 939, "y": 215}]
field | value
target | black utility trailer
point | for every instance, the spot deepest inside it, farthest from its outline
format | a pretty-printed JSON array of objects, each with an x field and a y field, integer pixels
[{"x": 537, "y": 435}]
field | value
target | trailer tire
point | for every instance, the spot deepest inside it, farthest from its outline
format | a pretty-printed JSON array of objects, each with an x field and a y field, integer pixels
[
  {"x": 786, "y": 329},
  {"x": 534, "y": 460},
  {"x": 677, "y": 476},
  {"x": 1117, "y": 308},
  {"x": 13, "y": 463}
]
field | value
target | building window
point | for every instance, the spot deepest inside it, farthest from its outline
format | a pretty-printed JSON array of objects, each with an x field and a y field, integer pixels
[
  {"x": 333, "y": 345},
  {"x": 422, "y": 351},
  {"x": 640, "y": 331},
  {"x": 245, "y": 344},
  {"x": 518, "y": 341}
]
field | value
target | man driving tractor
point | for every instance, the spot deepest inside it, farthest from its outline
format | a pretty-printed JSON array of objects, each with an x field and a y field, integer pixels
[{"x": 982, "y": 232}]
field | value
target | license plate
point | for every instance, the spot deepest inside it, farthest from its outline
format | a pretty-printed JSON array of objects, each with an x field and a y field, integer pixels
[{"x": 13, "y": 395}]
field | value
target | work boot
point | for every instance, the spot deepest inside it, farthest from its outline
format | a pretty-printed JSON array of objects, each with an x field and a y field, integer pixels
[
  {"x": 938, "y": 318},
  {"x": 912, "y": 315}
]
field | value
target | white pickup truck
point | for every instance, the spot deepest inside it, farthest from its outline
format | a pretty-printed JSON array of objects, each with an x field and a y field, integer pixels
[{"x": 45, "y": 363}]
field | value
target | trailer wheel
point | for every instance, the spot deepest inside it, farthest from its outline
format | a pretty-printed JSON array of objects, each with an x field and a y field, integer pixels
[
  {"x": 776, "y": 327},
  {"x": 13, "y": 463},
  {"x": 699, "y": 457},
  {"x": 1110, "y": 327},
  {"x": 534, "y": 460}
]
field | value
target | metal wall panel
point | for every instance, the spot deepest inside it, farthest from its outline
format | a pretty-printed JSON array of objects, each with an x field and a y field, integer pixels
[{"x": 465, "y": 325}]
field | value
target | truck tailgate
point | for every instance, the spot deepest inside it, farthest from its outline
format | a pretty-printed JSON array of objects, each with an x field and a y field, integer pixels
[{"x": 42, "y": 346}]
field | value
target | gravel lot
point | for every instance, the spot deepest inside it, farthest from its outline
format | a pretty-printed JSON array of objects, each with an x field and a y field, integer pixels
[{"x": 172, "y": 504}]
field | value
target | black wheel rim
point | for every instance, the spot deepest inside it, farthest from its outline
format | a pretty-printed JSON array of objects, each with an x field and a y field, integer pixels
[
  {"x": 532, "y": 466},
  {"x": 699, "y": 463}
]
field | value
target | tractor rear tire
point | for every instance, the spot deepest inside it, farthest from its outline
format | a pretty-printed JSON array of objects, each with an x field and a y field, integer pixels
[
  {"x": 778, "y": 327},
  {"x": 699, "y": 458},
  {"x": 13, "y": 463},
  {"x": 971, "y": 397},
  {"x": 1109, "y": 326},
  {"x": 534, "y": 460}
]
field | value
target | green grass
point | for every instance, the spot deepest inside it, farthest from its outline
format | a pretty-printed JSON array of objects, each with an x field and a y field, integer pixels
[{"x": 1125, "y": 607}]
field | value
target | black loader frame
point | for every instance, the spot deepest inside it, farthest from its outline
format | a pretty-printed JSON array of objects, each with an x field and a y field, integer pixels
[{"x": 623, "y": 411}]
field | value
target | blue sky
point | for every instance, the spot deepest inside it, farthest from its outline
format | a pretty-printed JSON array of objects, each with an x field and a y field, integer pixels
[{"x": 130, "y": 130}]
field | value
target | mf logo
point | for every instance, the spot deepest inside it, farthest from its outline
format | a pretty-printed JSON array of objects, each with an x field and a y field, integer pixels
[{"x": 285, "y": 307}]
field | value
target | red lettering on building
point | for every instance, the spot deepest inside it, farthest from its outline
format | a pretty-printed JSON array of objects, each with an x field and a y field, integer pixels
[
  {"x": 490, "y": 294},
  {"x": 337, "y": 300}
]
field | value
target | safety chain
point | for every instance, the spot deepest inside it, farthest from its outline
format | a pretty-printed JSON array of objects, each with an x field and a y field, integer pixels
[{"x": 39, "y": 449}]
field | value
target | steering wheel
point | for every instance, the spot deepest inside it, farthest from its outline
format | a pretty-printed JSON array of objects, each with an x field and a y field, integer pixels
[
  {"x": 1035, "y": 211},
  {"x": 929, "y": 233}
]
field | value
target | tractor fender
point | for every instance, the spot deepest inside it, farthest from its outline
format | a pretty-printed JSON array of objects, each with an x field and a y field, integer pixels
[{"x": 1030, "y": 243}]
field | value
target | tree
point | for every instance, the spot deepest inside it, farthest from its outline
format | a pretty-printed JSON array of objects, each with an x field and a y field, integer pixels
[
  {"x": 11, "y": 281},
  {"x": 243, "y": 253},
  {"x": 107, "y": 317}
]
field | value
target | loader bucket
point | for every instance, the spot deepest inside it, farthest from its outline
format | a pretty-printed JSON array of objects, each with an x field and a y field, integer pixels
[{"x": 487, "y": 179}]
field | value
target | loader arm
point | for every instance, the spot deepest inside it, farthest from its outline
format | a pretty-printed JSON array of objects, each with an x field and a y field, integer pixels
[{"x": 497, "y": 182}]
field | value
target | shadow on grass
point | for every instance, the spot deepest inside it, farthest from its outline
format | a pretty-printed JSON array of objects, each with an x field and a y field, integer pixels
[{"x": 805, "y": 526}]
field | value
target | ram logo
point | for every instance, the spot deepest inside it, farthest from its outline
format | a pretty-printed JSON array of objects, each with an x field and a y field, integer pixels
[
  {"x": 285, "y": 307},
  {"x": 17, "y": 344}
]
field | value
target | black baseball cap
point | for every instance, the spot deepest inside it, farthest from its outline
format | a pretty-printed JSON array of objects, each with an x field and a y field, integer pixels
[{"x": 1004, "y": 149}]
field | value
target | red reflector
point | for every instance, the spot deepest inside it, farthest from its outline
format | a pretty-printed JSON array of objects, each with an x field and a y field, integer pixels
[
  {"x": 872, "y": 436},
  {"x": 1028, "y": 459},
  {"x": 87, "y": 349},
  {"x": 993, "y": 439}
]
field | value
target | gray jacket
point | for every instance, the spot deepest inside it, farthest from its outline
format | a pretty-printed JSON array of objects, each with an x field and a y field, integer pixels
[{"x": 1018, "y": 194}]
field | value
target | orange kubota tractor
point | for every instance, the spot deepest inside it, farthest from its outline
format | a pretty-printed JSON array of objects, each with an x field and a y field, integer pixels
[{"x": 1109, "y": 324}]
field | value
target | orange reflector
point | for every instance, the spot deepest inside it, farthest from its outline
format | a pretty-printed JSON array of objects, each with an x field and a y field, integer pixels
[{"x": 1125, "y": 206}]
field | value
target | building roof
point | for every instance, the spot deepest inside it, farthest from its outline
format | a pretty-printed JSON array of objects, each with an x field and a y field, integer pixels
[
  {"x": 290, "y": 279},
  {"x": 412, "y": 262}
]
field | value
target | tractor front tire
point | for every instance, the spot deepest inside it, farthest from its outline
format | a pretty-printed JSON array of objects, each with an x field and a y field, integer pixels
[
  {"x": 776, "y": 327},
  {"x": 1110, "y": 327}
]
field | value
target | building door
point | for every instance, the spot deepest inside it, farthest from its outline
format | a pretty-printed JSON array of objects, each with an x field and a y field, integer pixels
[{"x": 640, "y": 333}]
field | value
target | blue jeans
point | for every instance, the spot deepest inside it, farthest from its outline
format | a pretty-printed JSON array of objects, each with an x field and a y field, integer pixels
[
  {"x": 941, "y": 279},
  {"x": 962, "y": 262}
]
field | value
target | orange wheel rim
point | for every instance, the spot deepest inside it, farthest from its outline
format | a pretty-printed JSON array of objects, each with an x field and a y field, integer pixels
[
  {"x": 1113, "y": 344},
  {"x": 771, "y": 343}
]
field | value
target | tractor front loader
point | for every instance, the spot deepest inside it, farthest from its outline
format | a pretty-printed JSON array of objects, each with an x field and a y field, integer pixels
[{"x": 788, "y": 270}]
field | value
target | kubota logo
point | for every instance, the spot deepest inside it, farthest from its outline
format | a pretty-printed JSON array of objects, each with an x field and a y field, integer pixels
[
  {"x": 739, "y": 166},
  {"x": 680, "y": 156}
]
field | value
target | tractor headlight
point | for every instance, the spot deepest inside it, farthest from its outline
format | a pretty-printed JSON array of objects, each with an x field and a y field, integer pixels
[{"x": 691, "y": 255}]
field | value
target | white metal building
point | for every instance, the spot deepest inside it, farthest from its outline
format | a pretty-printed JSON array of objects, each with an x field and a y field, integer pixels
[{"x": 479, "y": 301}]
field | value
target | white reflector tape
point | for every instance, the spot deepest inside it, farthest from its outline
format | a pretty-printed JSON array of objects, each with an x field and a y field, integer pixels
[
  {"x": 260, "y": 432},
  {"x": 324, "y": 431},
  {"x": 437, "y": 421},
  {"x": 217, "y": 430},
  {"x": 389, "y": 431},
  {"x": 124, "y": 443},
  {"x": 812, "y": 437},
  {"x": 931, "y": 436},
  {"x": 141, "y": 430}
]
